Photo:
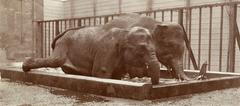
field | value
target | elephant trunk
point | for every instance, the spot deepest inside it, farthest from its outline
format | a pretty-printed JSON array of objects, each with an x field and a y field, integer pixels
[
  {"x": 178, "y": 68},
  {"x": 154, "y": 68}
]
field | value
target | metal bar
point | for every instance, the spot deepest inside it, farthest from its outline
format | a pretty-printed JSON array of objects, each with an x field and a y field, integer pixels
[
  {"x": 53, "y": 30},
  {"x": 73, "y": 23},
  {"x": 100, "y": 20},
  {"x": 49, "y": 35},
  {"x": 171, "y": 15},
  {"x": 65, "y": 24},
  {"x": 210, "y": 39},
  {"x": 69, "y": 23},
  {"x": 45, "y": 39},
  {"x": 94, "y": 21},
  {"x": 60, "y": 26},
  {"x": 79, "y": 22},
  {"x": 162, "y": 15},
  {"x": 237, "y": 35},
  {"x": 89, "y": 21},
  {"x": 221, "y": 39},
  {"x": 105, "y": 19},
  {"x": 112, "y": 17},
  {"x": 154, "y": 14},
  {"x": 199, "y": 38},
  {"x": 41, "y": 45},
  {"x": 52, "y": 36},
  {"x": 190, "y": 35},
  {"x": 232, "y": 41},
  {"x": 84, "y": 22}
]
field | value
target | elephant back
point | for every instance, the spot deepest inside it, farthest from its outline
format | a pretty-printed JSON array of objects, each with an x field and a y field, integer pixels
[
  {"x": 123, "y": 21},
  {"x": 63, "y": 33}
]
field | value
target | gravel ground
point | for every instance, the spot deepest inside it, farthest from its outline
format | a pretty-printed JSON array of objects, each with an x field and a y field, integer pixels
[
  {"x": 25, "y": 94},
  {"x": 12, "y": 93}
]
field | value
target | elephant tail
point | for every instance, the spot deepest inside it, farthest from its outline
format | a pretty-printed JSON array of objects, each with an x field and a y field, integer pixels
[{"x": 61, "y": 34}]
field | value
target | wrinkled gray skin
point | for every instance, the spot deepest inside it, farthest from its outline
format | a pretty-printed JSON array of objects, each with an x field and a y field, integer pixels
[
  {"x": 104, "y": 53},
  {"x": 168, "y": 40}
]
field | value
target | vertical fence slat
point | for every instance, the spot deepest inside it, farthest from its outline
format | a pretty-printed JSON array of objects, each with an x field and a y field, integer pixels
[
  {"x": 189, "y": 34},
  {"x": 84, "y": 22},
  {"x": 89, "y": 21},
  {"x": 100, "y": 20},
  {"x": 60, "y": 27},
  {"x": 74, "y": 23},
  {"x": 94, "y": 21},
  {"x": 39, "y": 40},
  {"x": 45, "y": 40},
  {"x": 221, "y": 39},
  {"x": 49, "y": 38},
  {"x": 210, "y": 39},
  {"x": 154, "y": 14},
  {"x": 199, "y": 37},
  {"x": 79, "y": 22},
  {"x": 162, "y": 15},
  {"x": 232, "y": 36},
  {"x": 65, "y": 24}
]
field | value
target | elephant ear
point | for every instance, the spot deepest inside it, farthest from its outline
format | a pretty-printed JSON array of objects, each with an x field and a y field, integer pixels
[{"x": 108, "y": 56}]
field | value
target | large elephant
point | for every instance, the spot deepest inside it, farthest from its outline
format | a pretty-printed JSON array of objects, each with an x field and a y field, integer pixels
[
  {"x": 168, "y": 40},
  {"x": 94, "y": 51}
]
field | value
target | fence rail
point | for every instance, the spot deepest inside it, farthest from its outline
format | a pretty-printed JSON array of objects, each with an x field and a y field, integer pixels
[{"x": 212, "y": 31}]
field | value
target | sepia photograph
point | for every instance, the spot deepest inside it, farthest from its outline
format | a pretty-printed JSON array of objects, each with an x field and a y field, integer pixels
[{"x": 119, "y": 53}]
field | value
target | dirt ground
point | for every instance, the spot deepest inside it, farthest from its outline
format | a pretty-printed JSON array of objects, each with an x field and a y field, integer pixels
[{"x": 23, "y": 94}]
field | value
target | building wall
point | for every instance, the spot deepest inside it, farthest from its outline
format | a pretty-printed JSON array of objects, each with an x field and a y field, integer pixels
[
  {"x": 16, "y": 27},
  {"x": 53, "y": 9}
]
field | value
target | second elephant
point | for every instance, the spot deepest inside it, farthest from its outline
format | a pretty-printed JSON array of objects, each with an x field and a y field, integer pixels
[{"x": 168, "y": 39}]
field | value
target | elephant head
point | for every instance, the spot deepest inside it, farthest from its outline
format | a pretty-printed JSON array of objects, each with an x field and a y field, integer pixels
[
  {"x": 139, "y": 54},
  {"x": 170, "y": 47},
  {"x": 124, "y": 51}
]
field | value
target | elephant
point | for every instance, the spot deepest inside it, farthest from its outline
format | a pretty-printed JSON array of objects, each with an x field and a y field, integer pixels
[
  {"x": 94, "y": 51},
  {"x": 168, "y": 40}
]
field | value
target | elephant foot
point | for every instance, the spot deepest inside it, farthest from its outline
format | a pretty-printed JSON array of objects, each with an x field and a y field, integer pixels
[{"x": 27, "y": 64}]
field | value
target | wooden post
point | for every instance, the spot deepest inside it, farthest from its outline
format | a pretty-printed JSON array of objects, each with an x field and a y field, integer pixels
[
  {"x": 105, "y": 19},
  {"x": 180, "y": 17},
  {"x": 232, "y": 41},
  {"x": 57, "y": 28},
  {"x": 39, "y": 40},
  {"x": 38, "y": 27}
]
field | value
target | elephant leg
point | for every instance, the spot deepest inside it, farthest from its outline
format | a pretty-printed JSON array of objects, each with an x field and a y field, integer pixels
[
  {"x": 57, "y": 59},
  {"x": 69, "y": 68},
  {"x": 172, "y": 73},
  {"x": 119, "y": 72},
  {"x": 177, "y": 67}
]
